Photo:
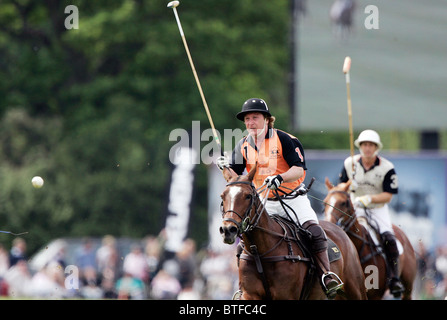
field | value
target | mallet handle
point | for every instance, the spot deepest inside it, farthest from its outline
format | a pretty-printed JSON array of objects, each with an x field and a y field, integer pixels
[
  {"x": 346, "y": 69},
  {"x": 196, "y": 77}
]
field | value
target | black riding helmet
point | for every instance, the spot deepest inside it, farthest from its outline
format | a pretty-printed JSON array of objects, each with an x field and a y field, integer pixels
[{"x": 253, "y": 105}]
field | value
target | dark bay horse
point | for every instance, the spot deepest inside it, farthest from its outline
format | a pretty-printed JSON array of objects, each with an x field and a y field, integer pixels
[
  {"x": 340, "y": 210},
  {"x": 278, "y": 268}
]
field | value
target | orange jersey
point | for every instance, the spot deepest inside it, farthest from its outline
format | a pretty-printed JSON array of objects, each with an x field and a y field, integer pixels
[{"x": 277, "y": 154}]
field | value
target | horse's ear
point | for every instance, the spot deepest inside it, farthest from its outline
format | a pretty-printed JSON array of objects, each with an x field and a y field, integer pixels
[
  {"x": 252, "y": 172},
  {"x": 329, "y": 184},
  {"x": 347, "y": 185},
  {"x": 228, "y": 173}
]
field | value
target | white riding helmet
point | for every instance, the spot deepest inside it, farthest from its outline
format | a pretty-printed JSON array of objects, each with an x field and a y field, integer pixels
[{"x": 370, "y": 136}]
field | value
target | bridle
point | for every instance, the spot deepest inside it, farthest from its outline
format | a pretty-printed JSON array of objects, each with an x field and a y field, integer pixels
[
  {"x": 346, "y": 225},
  {"x": 342, "y": 222},
  {"x": 245, "y": 225}
]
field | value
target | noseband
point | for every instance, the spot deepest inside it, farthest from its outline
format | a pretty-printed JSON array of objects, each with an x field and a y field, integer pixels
[{"x": 244, "y": 225}]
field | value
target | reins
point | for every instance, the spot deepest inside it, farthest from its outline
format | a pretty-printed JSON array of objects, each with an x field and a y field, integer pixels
[
  {"x": 244, "y": 226},
  {"x": 334, "y": 207},
  {"x": 290, "y": 195},
  {"x": 366, "y": 240}
]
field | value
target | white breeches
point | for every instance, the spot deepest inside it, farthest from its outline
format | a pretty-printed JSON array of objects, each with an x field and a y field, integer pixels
[
  {"x": 301, "y": 206},
  {"x": 378, "y": 216}
]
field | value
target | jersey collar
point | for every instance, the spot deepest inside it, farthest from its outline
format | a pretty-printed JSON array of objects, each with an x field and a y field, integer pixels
[{"x": 376, "y": 163}]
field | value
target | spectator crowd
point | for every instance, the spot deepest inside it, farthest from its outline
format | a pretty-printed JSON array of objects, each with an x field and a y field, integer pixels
[
  {"x": 431, "y": 281},
  {"x": 146, "y": 271}
]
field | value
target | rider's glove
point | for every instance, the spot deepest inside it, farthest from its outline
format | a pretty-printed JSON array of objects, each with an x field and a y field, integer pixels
[
  {"x": 223, "y": 162},
  {"x": 363, "y": 201},
  {"x": 273, "y": 182}
]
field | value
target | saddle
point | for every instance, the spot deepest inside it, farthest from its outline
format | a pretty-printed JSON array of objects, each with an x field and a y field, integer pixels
[
  {"x": 303, "y": 238},
  {"x": 375, "y": 240},
  {"x": 294, "y": 233}
]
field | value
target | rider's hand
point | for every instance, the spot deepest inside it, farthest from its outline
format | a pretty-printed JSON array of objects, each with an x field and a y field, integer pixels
[
  {"x": 273, "y": 182},
  {"x": 363, "y": 201},
  {"x": 223, "y": 162}
]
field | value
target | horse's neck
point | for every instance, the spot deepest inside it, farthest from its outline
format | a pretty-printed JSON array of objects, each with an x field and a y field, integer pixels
[
  {"x": 359, "y": 233},
  {"x": 259, "y": 236}
]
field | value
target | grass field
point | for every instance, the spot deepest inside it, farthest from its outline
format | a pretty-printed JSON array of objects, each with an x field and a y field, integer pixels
[{"x": 398, "y": 73}]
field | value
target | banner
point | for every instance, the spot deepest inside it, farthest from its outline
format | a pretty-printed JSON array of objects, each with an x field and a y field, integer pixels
[
  {"x": 180, "y": 198},
  {"x": 216, "y": 185}
]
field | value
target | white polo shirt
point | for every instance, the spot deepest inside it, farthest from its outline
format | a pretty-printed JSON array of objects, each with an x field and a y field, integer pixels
[{"x": 381, "y": 177}]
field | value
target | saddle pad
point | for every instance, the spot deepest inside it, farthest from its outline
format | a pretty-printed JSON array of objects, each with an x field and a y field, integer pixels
[{"x": 333, "y": 251}]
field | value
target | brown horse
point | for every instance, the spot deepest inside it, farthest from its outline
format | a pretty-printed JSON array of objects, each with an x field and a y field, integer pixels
[
  {"x": 275, "y": 265},
  {"x": 340, "y": 210}
]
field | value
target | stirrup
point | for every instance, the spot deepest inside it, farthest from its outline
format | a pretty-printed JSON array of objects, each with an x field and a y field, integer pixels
[
  {"x": 331, "y": 292},
  {"x": 237, "y": 295}
]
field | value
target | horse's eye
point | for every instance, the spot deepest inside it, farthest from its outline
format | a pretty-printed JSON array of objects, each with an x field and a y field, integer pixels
[{"x": 248, "y": 197}]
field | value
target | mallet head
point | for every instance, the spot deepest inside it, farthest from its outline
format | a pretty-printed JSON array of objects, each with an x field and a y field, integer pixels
[
  {"x": 347, "y": 65},
  {"x": 173, "y": 4}
]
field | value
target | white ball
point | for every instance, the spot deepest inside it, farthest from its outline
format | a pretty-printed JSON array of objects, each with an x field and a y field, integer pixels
[{"x": 37, "y": 182}]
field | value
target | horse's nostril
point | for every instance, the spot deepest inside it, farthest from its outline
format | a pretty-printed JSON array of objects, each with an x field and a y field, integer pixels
[{"x": 228, "y": 230}]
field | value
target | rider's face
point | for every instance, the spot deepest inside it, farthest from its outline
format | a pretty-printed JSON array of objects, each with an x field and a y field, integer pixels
[
  {"x": 255, "y": 123},
  {"x": 368, "y": 149}
]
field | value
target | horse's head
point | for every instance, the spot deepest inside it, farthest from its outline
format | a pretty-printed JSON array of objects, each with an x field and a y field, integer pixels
[
  {"x": 338, "y": 206},
  {"x": 238, "y": 205}
]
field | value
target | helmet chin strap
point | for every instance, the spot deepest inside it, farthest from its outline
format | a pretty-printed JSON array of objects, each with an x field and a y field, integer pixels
[
  {"x": 374, "y": 154},
  {"x": 262, "y": 132}
]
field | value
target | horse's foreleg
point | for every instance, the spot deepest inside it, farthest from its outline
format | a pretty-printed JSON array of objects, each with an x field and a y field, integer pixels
[
  {"x": 407, "y": 277},
  {"x": 406, "y": 295}
]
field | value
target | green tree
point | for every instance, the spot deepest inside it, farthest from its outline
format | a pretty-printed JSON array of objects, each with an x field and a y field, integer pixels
[{"x": 95, "y": 105}]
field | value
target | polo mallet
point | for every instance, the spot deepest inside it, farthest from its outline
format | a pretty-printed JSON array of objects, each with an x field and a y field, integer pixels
[
  {"x": 14, "y": 234},
  {"x": 174, "y": 5},
  {"x": 346, "y": 68}
]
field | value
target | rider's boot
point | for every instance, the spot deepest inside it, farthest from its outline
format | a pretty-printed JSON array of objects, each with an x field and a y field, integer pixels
[
  {"x": 392, "y": 257},
  {"x": 330, "y": 282}
]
